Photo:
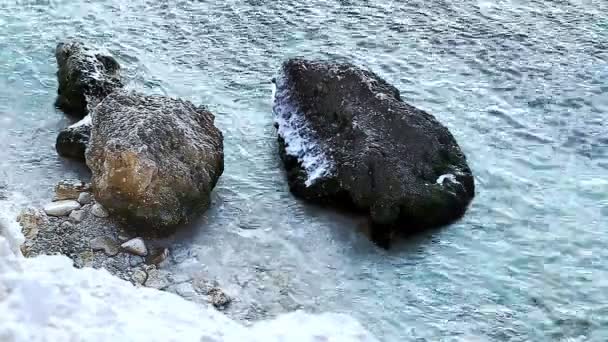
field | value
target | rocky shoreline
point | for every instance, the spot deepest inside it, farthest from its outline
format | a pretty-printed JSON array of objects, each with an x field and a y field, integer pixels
[
  {"x": 345, "y": 136},
  {"x": 76, "y": 226}
]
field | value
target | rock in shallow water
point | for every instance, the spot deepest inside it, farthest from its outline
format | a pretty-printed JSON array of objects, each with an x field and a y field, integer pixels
[
  {"x": 154, "y": 159},
  {"x": 61, "y": 208},
  {"x": 347, "y": 137},
  {"x": 85, "y": 77},
  {"x": 72, "y": 141}
]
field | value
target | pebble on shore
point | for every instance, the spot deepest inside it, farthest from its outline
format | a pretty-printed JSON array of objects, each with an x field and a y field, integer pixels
[
  {"x": 61, "y": 208},
  {"x": 135, "y": 246}
]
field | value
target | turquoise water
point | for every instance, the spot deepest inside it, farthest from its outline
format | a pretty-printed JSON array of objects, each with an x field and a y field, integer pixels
[{"x": 523, "y": 86}]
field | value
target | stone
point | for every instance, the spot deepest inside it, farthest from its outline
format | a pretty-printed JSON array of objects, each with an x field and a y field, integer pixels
[
  {"x": 61, "y": 208},
  {"x": 135, "y": 260},
  {"x": 31, "y": 220},
  {"x": 73, "y": 140},
  {"x": 70, "y": 189},
  {"x": 85, "y": 77},
  {"x": 85, "y": 198},
  {"x": 158, "y": 256},
  {"x": 99, "y": 211},
  {"x": 218, "y": 298},
  {"x": 154, "y": 159},
  {"x": 66, "y": 225},
  {"x": 135, "y": 246},
  {"x": 157, "y": 279},
  {"x": 139, "y": 277},
  {"x": 347, "y": 138},
  {"x": 106, "y": 244},
  {"x": 77, "y": 216}
]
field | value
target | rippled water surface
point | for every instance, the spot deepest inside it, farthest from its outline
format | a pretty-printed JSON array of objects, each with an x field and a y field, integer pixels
[{"x": 523, "y": 85}]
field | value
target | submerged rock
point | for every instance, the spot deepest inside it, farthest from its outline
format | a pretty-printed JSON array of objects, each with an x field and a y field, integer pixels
[
  {"x": 154, "y": 159},
  {"x": 61, "y": 208},
  {"x": 72, "y": 141},
  {"x": 85, "y": 77},
  {"x": 347, "y": 137}
]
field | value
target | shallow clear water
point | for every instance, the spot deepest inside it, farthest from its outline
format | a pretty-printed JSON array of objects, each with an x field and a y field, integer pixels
[{"x": 523, "y": 85}]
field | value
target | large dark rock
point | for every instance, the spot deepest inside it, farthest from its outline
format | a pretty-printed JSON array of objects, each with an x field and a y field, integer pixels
[
  {"x": 72, "y": 141},
  {"x": 154, "y": 159},
  {"x": 347, "y": 138},
  {"x": 85, "y": 77}
]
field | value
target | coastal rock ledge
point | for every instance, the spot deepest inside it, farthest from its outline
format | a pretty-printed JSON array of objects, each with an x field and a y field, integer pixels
[
  {"x": 154, "y": 159},
  {"x": 347, "y": 138}
]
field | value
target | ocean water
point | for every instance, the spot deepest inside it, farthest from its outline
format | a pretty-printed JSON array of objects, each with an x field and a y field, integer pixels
[{"x": 522, "y": 85}]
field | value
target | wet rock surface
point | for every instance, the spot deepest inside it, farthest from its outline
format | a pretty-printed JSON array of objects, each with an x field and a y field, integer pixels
[
  {"x": 154, "y": 159},
  {"x": 347, "y": 137},
  {"x": 85, "y": 77},
  {"x": 73, "y": 140}
]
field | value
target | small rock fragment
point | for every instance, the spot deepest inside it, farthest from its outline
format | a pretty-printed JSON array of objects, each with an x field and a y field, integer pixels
[
  {"x": 218, "y": 298},
  {"x": 99, "y": 211},
  {"x": 61, "y": 208},
  {"x": 85, "y": 198},
  {"x": 139, "y": 277},
  {"x": 158, "y": 256},
  {"x": 70, "y": 189},
  {"x": 106, "y": 244},
  {"x": 67, "y": 225},
  {"x": 135, "y": 246},
  {"x": 135, "y": 260},
  {"x": 77, "y": 216}
]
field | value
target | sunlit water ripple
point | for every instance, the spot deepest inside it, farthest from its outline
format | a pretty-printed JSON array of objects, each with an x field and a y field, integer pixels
[{"x": 523, "y": 85}]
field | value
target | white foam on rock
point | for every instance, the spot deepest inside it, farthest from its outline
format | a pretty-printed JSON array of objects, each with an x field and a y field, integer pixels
[
  {"x": 87, "y": 121},
  {"x": 450, "y": 177},
  {"x": 298, "y": 141},
  {"x": 46, "y": 299}
]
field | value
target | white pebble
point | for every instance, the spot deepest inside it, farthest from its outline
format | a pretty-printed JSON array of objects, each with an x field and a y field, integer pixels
[
  {"x": 61, "y": 208},
  {"x": 135, "y": 246}
]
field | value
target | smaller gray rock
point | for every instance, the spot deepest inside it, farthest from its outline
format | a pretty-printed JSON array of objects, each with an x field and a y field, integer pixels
[
  {"x": 99, "y": 211},
  {"x": 135, "y": 246},
  {"x": 61, "y": 208},
  {"x": 106, "y": 244},
  {"x": 135, "y": 260},
  {"x": 67, "y": 225},
  {"x": 139, "y": 277},
  {"x": 85, "y": 198},
  {"x": 77, "y": 216}
]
